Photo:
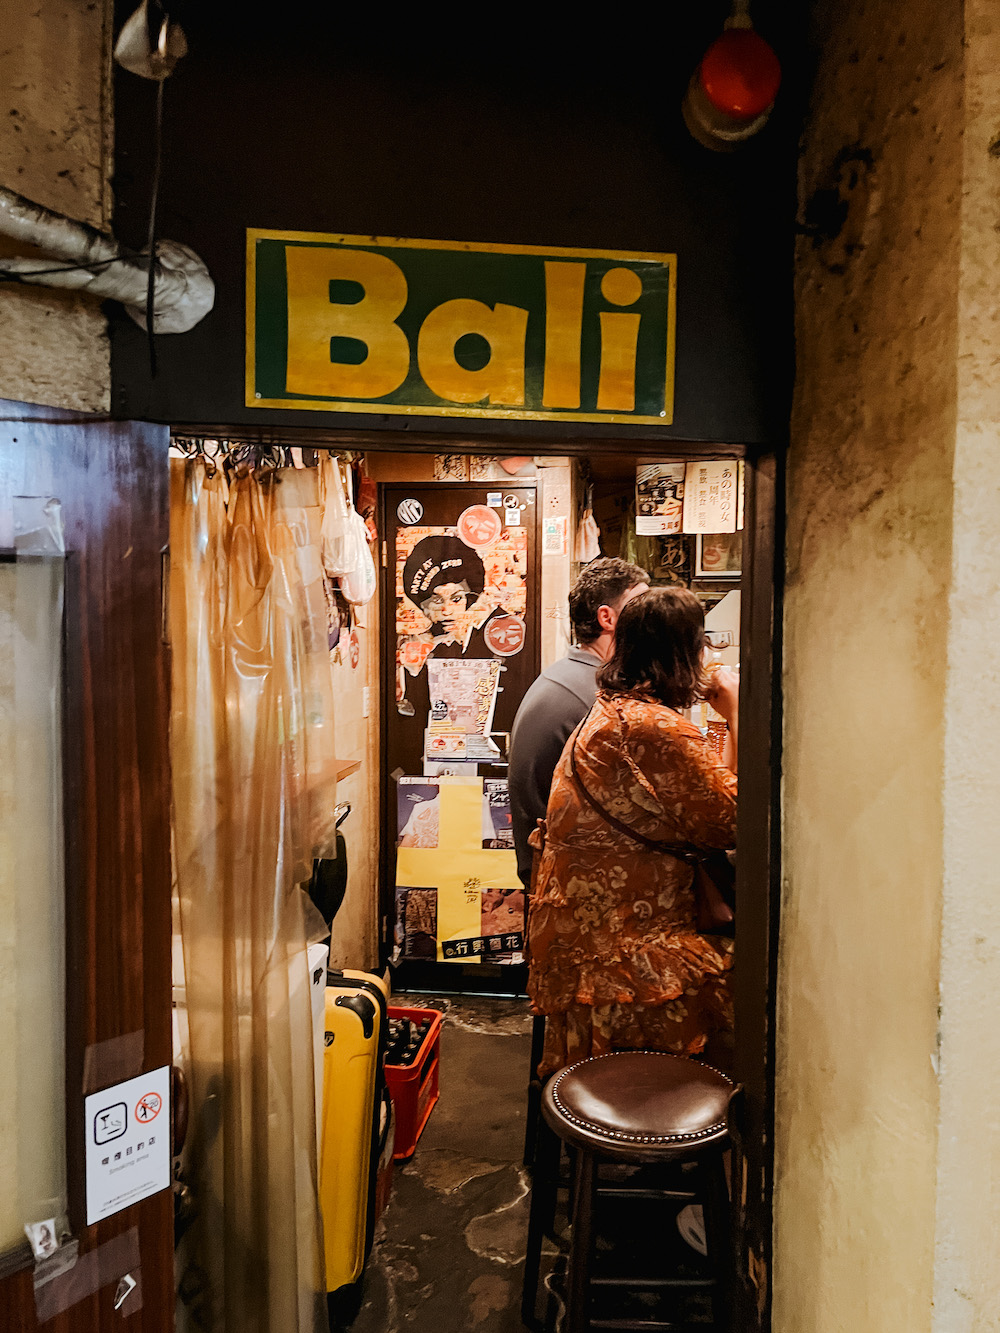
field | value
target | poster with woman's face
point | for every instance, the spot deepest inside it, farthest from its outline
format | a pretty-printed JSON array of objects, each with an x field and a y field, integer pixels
[{"x": 451, "y": 581}]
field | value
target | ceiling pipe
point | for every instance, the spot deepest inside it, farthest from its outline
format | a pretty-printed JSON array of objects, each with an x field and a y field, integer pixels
[{"x": 95, "y": 263}]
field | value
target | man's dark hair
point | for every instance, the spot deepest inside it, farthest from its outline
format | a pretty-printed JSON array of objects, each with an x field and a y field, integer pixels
[
  {"x": 603, "y": 583},
  {"x": 658, "y": 646}
]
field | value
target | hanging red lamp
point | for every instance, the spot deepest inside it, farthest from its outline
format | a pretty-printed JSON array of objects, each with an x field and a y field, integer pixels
[{"x": 732, "y": 91}]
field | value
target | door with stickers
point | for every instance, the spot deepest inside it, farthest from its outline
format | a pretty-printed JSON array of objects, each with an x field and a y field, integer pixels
[{"x": 461, "y": 647}]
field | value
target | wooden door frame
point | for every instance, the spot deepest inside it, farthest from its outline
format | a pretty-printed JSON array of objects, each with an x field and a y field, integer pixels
[
  {"x": 758, "y": 885},
  {"x": 111, "y": 478}
]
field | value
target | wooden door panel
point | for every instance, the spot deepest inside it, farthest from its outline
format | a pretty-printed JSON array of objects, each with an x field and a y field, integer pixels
[
  {"x": 428, "y": 514},
  {"x": 111, "y": 479}
]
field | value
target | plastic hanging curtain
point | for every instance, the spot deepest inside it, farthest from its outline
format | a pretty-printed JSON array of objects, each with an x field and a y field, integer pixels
[{"x": 254, "y": 794}]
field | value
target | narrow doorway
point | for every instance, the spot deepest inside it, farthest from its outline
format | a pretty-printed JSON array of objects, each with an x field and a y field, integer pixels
[{"x": 463, "y": 1192}]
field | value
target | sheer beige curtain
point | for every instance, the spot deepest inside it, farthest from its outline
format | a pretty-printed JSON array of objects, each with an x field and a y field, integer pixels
[{"x": 254, "y": 793}]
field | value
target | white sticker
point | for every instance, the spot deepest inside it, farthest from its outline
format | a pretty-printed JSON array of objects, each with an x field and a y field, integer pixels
[
  {"x": 555, "y": 535},
  {"x": 512, "y": 517},
  {"x": 127, "y": 1130},
  {"x": 409, "y": 511},
  {"x": 42, "y": 1236},
  {"x": 494, "y": 499}
]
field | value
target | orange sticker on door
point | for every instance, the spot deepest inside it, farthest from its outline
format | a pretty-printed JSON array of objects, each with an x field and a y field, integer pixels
[
  {"x": 505, "y": 635},
  {"x": 478, "y": 526}
]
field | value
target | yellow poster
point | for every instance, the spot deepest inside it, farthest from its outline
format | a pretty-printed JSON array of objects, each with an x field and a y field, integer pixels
[{"x": 457, "y": 891}]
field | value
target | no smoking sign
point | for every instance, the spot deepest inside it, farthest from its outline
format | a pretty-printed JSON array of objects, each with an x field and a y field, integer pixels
[
  {"x": 148, "y": 1106},
  {"x": 128, "y": 1143}
]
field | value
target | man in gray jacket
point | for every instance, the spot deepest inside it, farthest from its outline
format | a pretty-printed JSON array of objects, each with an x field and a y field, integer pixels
[{"x": 562, "y": 695}]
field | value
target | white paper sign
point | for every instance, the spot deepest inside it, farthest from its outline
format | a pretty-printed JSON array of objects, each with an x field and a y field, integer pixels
[
  {"x": 710, "y": 499},
  {"x": 128, "y": 1143},
  {"x": 742, "y": 494}
]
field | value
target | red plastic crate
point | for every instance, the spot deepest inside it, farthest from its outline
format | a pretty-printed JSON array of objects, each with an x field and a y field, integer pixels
[{"x": 414, "y": 1088}]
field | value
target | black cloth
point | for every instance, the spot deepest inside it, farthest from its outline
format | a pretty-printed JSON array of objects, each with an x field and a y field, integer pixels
[
  {"x": 556, "y": 702},
  {"x": 329, "y": 882}
]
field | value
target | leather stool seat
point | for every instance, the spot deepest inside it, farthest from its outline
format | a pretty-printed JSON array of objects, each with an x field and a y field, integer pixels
[
  {"x": 637, "y": 1108},
  {"x": 639, "y": 1105}
]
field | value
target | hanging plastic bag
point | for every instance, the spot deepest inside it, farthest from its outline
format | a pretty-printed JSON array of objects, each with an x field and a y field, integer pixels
[
  {"x": 339, "y": 534},
  {"x": 588, "y": 534},
  {"x": 359, "y": 583}
]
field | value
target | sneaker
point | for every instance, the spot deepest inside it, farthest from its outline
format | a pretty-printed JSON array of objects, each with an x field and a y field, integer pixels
[{"x": 691, "y": 1225}]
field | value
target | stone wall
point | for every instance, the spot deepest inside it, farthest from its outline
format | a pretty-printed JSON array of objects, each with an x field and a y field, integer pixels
[
  {"x": 55, "y": 149},
  {"x": 888, "y": 1049}
]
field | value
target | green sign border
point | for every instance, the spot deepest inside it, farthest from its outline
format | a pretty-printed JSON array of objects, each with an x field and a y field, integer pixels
[{"x": 368, "y": 406}]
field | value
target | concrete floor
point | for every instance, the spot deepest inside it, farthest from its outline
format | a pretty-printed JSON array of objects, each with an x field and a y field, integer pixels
[
  {"x": 448, "y": 1255},
  {"x": 449, "y": 1250}
]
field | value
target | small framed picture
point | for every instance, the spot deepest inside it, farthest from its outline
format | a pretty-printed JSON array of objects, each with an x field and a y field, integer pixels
[{"x": 718, "y": 555}]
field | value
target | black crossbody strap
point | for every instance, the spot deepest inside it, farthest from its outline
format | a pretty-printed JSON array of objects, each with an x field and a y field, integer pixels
[{"x": 683, "y": 851}]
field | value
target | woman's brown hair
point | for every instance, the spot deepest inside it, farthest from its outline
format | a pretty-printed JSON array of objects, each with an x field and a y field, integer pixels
[{"x": 658, "y": 645}]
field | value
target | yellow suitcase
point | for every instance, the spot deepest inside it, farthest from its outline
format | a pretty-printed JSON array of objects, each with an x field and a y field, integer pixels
[{"x": 353, "y": 1095}]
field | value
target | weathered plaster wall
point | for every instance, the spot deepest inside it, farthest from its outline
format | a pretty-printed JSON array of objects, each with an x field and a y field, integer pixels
[
  {"x": 356, "y": 696},
  {"x": 867, "y": 617},
  {"x": 55, "y": 149},
  {"x": 967, "y": 1269},
  {"x": 556, "y": 495}
]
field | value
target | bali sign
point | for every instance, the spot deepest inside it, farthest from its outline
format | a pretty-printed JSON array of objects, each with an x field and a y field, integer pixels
[{"x": 368, "y": 324}]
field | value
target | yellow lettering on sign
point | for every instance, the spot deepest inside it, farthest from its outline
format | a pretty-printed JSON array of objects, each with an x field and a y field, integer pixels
[
  {"x": 501, "y": 380},
  {"x": 619, "y": 339},
  {"x": 563, "y": 333},
  {"x": 313, "y": 320}
]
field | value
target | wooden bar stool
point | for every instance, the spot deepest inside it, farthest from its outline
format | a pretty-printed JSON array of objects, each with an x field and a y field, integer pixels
[
  {"x": 637, "y": 1108},
  {"x": 534, "y": 1109}
]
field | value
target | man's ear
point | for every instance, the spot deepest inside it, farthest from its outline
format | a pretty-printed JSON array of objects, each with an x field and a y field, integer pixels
[{"x": 606, "y": 618}]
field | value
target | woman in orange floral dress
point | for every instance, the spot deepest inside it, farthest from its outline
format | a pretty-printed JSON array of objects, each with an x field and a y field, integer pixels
[{"x": 616, "y": 961}]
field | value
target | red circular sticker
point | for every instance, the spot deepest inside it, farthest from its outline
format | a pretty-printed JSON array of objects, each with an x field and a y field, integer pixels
[
  {"x": 479, "y": 525},
  {"x": 504, "y": 635},
  {"x": 355, "y": 649},
  {"x": 147, "y": 1108},
  {"x": 414, "y": 654}
]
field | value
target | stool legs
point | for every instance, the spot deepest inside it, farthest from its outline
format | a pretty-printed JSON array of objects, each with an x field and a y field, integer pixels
[
  {"x": 544, "y": 1190},
  {"x": 534, "y": 1114},
  {"x": 710, "y": 1188},
  {"x": 718, "y": 1238},
  {"x": 581, "y": 1251}
]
